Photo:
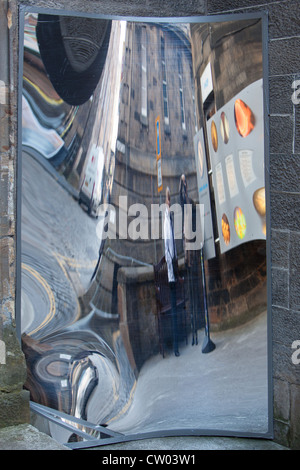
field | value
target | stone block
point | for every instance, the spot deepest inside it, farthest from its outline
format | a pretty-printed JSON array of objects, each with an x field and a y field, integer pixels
[
  {"x": 295, "y": 416},
  {"x": 13, "y": 372},
  {"x": 280, "y": 287},
  {"x": 14, "y": 408},
  {"x": 294, "y": 260},
  {"x": 297, "y": 126},
  {"x": 281, "y": 401},
  {"x": 283, "y": 367},
  {"x": 4, "y": 190},
  {"x": 2, "y": 352},
  {"x": 27, "y": 437},
  {"x": 281, "y": 134},
  {"x": 285, "y": 326},
  {"x": 284, "y": 19},
  {"x": 131, "y": 7},
  {"x": 7, "y": 267},
  {"x": 285, "y": 172},
  {"x": 220, "y": 6},
  {"x": 284, "y": 56},
  {"x": 281, "y": 433},
  {"x": 285, "y": 211},
  {"x": 280, "y": 92},
  {"x": 280, "y": 240}
]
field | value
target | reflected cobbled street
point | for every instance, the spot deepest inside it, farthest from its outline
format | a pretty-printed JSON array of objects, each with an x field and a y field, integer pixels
[{"x": 69, "y": 362}]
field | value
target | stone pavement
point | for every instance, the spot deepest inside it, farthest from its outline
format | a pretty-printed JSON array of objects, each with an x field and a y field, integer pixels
[{"x": 27, "y": 437}]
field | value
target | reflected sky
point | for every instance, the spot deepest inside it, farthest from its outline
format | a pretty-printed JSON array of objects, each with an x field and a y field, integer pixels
[{"x": 94, "y": 92}]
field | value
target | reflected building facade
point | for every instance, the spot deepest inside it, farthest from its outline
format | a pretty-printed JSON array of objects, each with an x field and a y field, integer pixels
[
  {"x": 157, "y": 82},
  {"x": 57, "y": 140},
  {"x": 78, "y": 125}
]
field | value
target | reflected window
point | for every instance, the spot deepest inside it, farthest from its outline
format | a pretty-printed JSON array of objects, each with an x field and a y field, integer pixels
[
  {"x": 144, "y": 77},
  {"x": 164, "y": 82},
  {"x": 182, "y": 113}
]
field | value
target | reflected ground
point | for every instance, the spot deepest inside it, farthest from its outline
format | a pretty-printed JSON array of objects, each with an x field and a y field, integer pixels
[
  {"x": 195, "y": 390},
  {"x": 57, "y": 264},
  {"x": 89, "y": 353}
]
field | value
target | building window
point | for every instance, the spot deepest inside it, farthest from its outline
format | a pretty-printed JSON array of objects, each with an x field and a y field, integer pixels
[
  {"x": 165, "y": 86},
  {"x": 144, "y": 77},
  {"x": 180, "y": 80}
]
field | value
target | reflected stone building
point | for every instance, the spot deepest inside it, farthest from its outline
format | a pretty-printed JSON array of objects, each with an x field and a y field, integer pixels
[
  {"x": 152, "y": 75},
  {"x": 161, "y": 79},
  {"x": 80, "y": 118},
  {"x": 157, "y": 82},
  {"x": 152, "y": 72}
]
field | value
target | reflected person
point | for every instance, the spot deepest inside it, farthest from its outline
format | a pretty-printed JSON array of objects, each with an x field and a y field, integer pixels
[
  {"x": 171, "y": 260},
  {"x": 183, "y": 191},
  {"x": 183, "y": 198}
]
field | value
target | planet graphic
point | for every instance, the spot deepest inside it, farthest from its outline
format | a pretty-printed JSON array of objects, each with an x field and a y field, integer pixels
[
  {"x": 225, "y": 229},
  {"x": 214, "y": 136},
  {"x": 244, "y": 118},
  {"x": 224, "y": 127},
  {"x": 239, "y": 222}
]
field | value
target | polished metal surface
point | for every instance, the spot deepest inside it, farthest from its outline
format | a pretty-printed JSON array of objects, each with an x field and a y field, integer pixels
[{"x": 113, "y": 113}]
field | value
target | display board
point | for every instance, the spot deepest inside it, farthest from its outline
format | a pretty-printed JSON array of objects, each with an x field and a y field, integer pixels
[{"x": 236, "y": 146}]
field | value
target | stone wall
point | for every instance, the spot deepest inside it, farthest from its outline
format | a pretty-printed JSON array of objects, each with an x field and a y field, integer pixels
[
  {"x": 13, "y": 400},
  {"x": 137, "y": 309},
  {"x": 236, "y": 279},
  {"x": 238, "y": 289},
  {"x": 284, "y": 69},
  {"x": 284, "y": 128}
]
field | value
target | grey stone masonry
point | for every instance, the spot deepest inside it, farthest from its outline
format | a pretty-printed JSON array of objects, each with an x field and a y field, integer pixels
[
  {"x": 14, "y": 408},
  {"x": 284, "y": 132}
]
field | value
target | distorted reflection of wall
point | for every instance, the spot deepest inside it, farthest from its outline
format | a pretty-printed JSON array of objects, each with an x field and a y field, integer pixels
[
  {"x": 167, "y": 62},
  {"x": 235, "y": 52},
  {"x": 137, "y": 304},
  {"x": 167, "y": 56},
  {"x": 236, "y": 280},
  {"x": 157, "y": 81},
  {"x": 101, "y": 118}
]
